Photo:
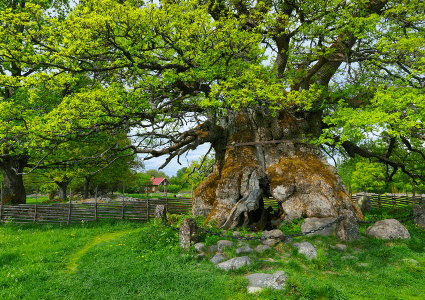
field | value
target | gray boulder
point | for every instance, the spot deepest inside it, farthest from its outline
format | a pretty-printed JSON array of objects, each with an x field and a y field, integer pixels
[
  {"x": 244, "y": 249},
  {"x": 273, "y": 237},
  {"x": 314, "y": 223},
  {"x": 388, "y": 229},
  {"x": 223, "y": 244},
  {"x": 218, "y": 258},
  {"x": 199, "y": 247},
  {"x": 307, "y": 249},
  {"x": 188, "y": 233},
  {"x": 258, "y": 281},
  {"x": 261, "y": 248},
  {"x": 341, "y": 247},
  {"x": 347, "y": 229},
  {"x": 213, "y": 248},
  {"x": 234, "y": 263}
]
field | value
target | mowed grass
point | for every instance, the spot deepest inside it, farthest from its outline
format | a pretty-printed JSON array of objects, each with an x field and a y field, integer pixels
[{"x": 129, "y": 260}]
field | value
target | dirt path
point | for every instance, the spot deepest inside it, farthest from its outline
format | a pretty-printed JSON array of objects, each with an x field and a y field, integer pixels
[{"x": 72, "y": 265}]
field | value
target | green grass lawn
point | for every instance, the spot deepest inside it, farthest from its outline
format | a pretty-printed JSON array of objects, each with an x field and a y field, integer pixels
[
  {"x": 129, "y": 260},
  {"x": 39, "y": 199}
]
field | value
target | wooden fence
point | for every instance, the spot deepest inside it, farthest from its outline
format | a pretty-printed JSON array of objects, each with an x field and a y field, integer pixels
[
  {"x": 389, "y": 201},
  {"x": 142, "y": 210}
]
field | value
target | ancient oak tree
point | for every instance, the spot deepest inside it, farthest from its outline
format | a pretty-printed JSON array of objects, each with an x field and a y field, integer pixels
[{"x": 263, "y": 82}]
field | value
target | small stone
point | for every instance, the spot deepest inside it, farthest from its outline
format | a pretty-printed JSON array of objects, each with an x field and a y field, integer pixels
[
  {"x": 235, "y": 263},
  {"x": 224, "y": 232},
  {"x": 212, "y": 249},
  {"x": 200, "y": 255},
  {"x": 331, "y": 263},
  {"x": 363, "y": 264},
  {"x": 288, "y": 255},
  {"x": 270, "y": 259},
  {"x": 199, "y": 247},
  {"x": 236, "y": 233},
  {"x": 261, "y": 248},
  {"x": 341, "y": 247},
  {"x": 218, "y": 258},
  {"x": 349, "y": 256},
  {"x": 307, "y": 249},
  {"x": 332, "y": 247},
  {"x": 244, "y": 249},
  {"x": 223, "y": 244},
  {"x": 410, "y": 260}
]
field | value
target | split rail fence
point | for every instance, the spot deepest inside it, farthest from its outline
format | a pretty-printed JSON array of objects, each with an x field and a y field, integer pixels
[
  {"x": 141, "y": 210},
  {"x": 389, "y": 201}
]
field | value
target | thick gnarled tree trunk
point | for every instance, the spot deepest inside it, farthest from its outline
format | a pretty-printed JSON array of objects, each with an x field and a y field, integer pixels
[
  {"x": 293, "y": 172},
  {"x": 13, "y": 189}
]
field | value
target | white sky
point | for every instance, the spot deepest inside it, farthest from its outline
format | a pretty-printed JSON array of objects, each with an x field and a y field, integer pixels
[{"x": 172, "y": 168}]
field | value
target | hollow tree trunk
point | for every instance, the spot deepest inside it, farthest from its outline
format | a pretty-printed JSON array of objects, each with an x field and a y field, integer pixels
[
  {"x": 14, "y": 189},
  {"x": 294, "y": 173},
  {"x": 63, "y": 185}
]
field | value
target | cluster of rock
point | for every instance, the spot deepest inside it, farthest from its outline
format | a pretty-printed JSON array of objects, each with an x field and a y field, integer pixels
[
  {"x": 257, "y": 281},
  {"x": 346, "y": 230}
]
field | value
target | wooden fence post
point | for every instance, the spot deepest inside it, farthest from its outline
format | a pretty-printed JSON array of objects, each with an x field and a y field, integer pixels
[
  {"x": 166, "y": 199},
  {"x": 69, "y": 209},
  {"x": 95, "y": 204},
  {"x": 122, "y": 202},
  {"x": 35, "y": 210},
  {"x": 1, "y": 201},
  {"x": 147, "y": 203},
  {"x": 191, "y": 194},
  {"x": 413, "y": 193}
]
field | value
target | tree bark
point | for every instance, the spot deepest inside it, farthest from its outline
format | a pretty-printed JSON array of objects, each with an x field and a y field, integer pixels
[
  {"x": 295, "y": 173},
  {"x": 14, "y": 190}
]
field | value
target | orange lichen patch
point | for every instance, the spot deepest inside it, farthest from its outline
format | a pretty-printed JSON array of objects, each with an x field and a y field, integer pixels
[
  {"x": 300, "y": 167},
  {"x": 202, "y": 134},
  {"x": 206, "y": 189}
]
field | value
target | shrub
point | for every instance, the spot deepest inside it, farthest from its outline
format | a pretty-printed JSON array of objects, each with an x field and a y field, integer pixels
[{"x": 173, "y": 188}]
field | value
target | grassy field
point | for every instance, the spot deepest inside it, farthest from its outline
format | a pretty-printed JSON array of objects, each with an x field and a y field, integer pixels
[{"x": 125, "y": 260}]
